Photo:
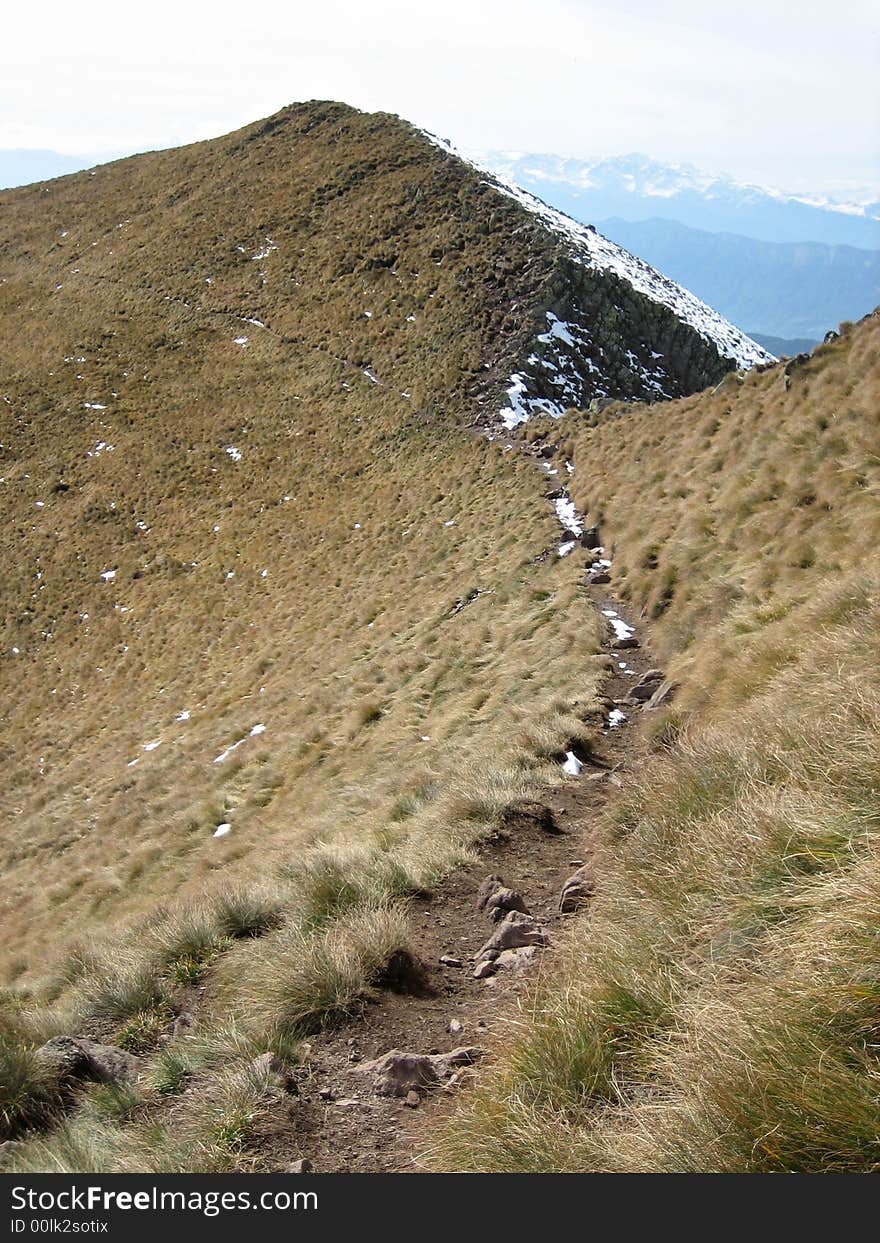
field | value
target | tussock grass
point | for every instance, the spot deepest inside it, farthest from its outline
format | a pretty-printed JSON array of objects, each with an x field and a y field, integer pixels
[
  {"x": 716, "y": 1010},
  {"x": 28, "y": 1095},
  {"x": 303, "y": 980}
]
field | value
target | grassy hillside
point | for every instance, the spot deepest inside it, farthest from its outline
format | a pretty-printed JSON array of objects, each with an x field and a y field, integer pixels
[
  {"x": 280, "y": 635},
  {"x": 717, "y": 1010},
  {"x": 213, "y": 524},
  {"x": 284, "y": 633}
]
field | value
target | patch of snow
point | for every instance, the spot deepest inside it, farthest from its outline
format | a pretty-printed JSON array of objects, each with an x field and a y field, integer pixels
[
  {"x": 257, "y": 729},
  {"x": 572, "y": 766},
  {"x": 266, "y": 250},
  {"x": 566, "y": 548},
  {"x": 222, "y": 829},
  {"x": 108, "y": 575},
  {"x": 592, "y": 250},
  {"x": 368, "y": 373},
  {"x": 568, "y": 515},
  {"x": 234, "y": 453},
  {"x": 618, "y": 625},
  {"x": 239, "y": 341},
  {"x": 224, "y": 755},
  {"x": 616, "y": 717},
  {"x": 182, "y": 716},
  {"x": 151, "y": 746}
]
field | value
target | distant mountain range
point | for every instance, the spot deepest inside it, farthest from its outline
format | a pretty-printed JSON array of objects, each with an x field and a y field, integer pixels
[
  {"x": 780, "y": 266},
  {"x": 22, "y": 167},
  {"x": 634, "y": 187},
  {"x": 783, "y": 289}
]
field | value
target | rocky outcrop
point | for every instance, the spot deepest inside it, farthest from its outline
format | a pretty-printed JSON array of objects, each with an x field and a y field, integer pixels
[
  {"x": 397, "y": 1073},
  {"x": 77, "y": 1058}
]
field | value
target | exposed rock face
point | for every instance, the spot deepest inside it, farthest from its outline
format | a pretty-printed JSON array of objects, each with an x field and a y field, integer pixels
[
  {"x": 397, "y": 1073},
  {"x": 71, "y": 1058}
]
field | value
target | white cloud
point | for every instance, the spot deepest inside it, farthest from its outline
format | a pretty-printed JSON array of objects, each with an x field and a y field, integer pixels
[{"x": 749, "y": 87}]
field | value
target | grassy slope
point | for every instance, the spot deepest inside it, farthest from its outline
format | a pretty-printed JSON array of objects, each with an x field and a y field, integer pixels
[
  {"x": 718, "y": 1008},
  {"x": 304, "y": 586},
  {"x": 307, "y": 586}
]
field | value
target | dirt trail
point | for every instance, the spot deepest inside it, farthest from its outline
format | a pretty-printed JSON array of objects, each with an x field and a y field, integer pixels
[{"x": 336, "y": 1121}]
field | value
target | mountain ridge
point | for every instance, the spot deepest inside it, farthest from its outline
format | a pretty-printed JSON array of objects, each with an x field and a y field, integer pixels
[
  {"x": 637, "y": 188},
  {"x": 230, "y": 334}
]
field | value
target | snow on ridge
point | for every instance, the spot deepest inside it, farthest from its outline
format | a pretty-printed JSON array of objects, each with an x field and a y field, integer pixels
[
  {"x": 593, "y": 250},
  {"x": 554, "y": 378}
]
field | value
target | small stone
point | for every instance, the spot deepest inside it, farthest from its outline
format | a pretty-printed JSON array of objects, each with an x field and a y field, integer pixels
[
  {"x": 69, "y": 1058},
  {"x": 598, "y": 580},
  {"x": 454, "y": 1026},
  {"x": 513, "y": 932},
  {"x": 303, "y": 1166},
  {"x": 518, "y": 959},
  {"x": 484, "y": 969},
  {"x": 646, "y": 686},
  {"x": 326, "y": 1094},
  {"x": 622, "y": 645},
  {"x": 664, "y": 694},
  {"x": 577, "y": 890},
  {"x": 495, "y": 899},
  {"x": 398, "y": 1073},
  {"x": 413, "y": 1100},
  {"x": 449, "y": 960}
]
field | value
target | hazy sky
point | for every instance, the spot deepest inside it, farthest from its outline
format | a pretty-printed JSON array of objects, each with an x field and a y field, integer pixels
[{"x": 777, "y": 91}]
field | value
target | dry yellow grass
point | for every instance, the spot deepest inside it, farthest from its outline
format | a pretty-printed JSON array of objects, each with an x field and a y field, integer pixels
[
  {"x": 288, "y": 519},
  {"x": 717, "y": 1009},
  {"x": 231, "y": 571}
]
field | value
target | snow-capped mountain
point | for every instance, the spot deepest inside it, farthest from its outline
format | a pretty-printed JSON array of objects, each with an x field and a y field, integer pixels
[
  {"x": 635, "y": 187},
  {"x": 612, "y": 347}
]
